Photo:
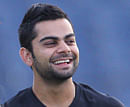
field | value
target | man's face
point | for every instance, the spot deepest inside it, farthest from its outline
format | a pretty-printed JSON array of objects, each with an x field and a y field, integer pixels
[{"x": 56, "y": 55}]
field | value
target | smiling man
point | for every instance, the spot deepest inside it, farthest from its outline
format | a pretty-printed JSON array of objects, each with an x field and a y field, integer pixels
[
  {"x": 49, "y": 47},
  {"x": 55, "y": 53}
]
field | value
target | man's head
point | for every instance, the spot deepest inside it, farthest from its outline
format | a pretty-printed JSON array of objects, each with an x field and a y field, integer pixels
[
  {"x": 37, "y": 13},
  {"x": 48, "y": 42}
]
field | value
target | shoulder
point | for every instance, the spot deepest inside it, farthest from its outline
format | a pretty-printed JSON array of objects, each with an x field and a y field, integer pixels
[
  {"x": 97, "y": 97},
  {"x": 18, "y": 99}
]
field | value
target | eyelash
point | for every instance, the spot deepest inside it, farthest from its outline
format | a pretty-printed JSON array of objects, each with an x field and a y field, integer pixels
[
  {"x": 70, "y": 41},
  {"x": 50, "y": 43},
  {"x": 54, "y": 43}
]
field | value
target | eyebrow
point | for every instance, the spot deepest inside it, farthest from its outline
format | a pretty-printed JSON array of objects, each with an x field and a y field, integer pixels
[
  {"x": 69, "y": 35},
  {"x": 50, "y": 37},
  {"x": 56, "y": 38}
]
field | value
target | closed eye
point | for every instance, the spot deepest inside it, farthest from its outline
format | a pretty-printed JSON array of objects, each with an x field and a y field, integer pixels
[
  {"x": 50, "y": 44},
  {"x": 70, "y": 42}
]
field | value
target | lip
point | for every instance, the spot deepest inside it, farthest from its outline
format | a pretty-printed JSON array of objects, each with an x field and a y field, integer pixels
[
  {"x": 61, "y": 59},
  {"x": 63, "y": 65}
]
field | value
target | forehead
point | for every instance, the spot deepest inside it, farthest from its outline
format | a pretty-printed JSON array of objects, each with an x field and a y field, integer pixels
[{"x": 59, "y": 28}]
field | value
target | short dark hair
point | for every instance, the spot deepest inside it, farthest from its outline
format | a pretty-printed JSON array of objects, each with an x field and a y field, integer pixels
[{"x": 37, "y": 13}]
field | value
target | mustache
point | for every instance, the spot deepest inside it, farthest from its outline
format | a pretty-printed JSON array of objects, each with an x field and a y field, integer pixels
[{"x": 63, "y": 55}]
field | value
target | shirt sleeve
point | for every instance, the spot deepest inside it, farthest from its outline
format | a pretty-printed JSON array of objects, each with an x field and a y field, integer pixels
[{"x": 115, "y": 102}]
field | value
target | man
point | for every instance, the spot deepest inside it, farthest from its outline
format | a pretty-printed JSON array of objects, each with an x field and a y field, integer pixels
[{"x": 49, "y": 47}]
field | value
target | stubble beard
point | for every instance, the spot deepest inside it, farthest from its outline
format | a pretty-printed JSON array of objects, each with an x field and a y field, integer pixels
[{"x": 49, "y": 74}]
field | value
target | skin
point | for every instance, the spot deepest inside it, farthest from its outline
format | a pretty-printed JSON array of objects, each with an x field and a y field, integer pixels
[{"x": 52, "y": 83}]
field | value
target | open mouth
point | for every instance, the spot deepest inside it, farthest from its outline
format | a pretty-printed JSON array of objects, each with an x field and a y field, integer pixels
[{"x": 62, "y": 61}]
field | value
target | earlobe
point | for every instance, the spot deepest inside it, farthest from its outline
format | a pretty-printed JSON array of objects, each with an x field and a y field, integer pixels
[{"x": 26, "y": 56}]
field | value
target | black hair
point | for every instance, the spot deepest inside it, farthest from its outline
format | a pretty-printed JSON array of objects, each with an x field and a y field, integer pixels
[{"x": 37, "y": 13}]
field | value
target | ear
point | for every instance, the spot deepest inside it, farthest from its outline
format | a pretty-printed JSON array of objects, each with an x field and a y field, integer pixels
[{"x": 26, "y": 56}]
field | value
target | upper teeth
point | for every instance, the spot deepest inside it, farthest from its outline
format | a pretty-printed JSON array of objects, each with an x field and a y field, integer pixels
[{"x": 62, "y": 61}]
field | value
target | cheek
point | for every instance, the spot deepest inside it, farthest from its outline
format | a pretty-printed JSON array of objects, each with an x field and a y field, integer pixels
[
  {"x": 41, "y": 56},
  {"x": 45, "y": 55},
  {"x": 76, "y": 51}
]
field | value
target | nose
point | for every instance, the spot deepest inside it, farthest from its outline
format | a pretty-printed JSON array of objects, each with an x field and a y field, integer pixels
[{"x": 63, "y": 48}]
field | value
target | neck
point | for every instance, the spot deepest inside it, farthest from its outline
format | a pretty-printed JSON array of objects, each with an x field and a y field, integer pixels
[{"x": 59, "y": 94}]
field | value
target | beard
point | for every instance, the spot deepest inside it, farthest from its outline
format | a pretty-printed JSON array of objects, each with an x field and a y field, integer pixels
[{"x": 48, "y": 73}]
